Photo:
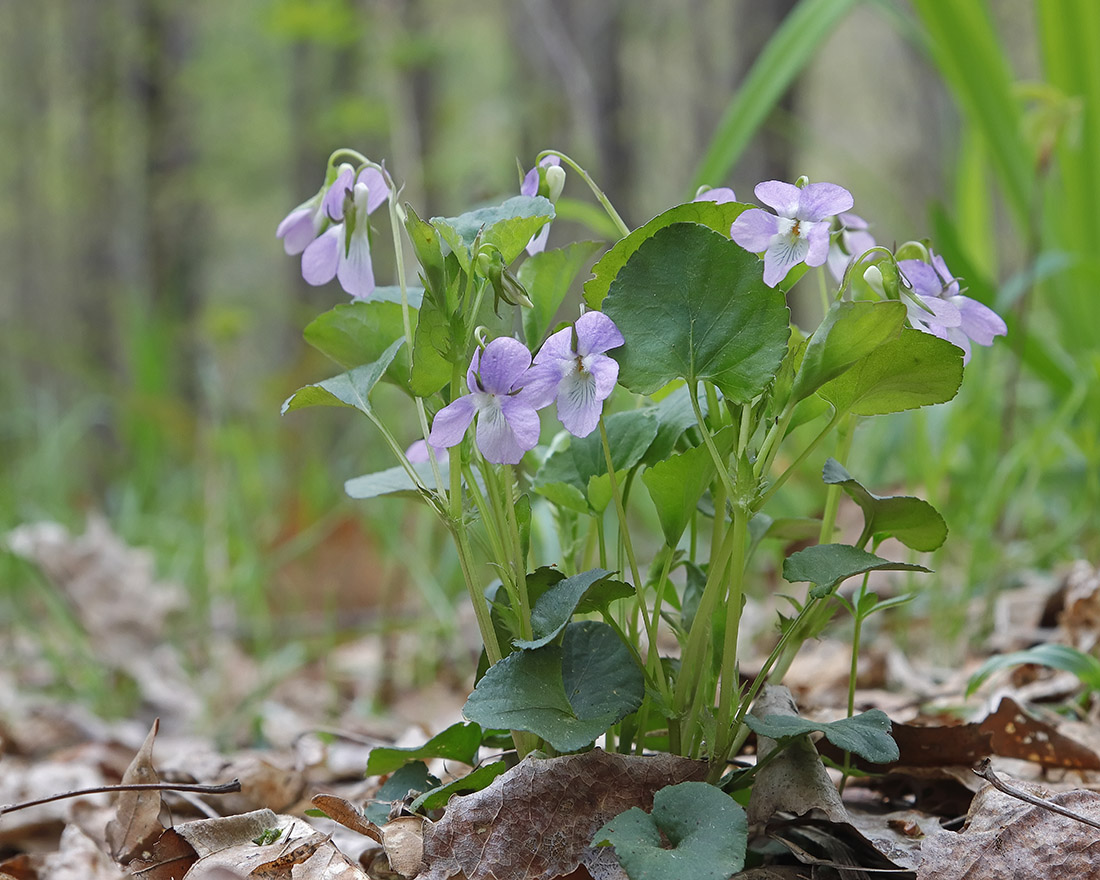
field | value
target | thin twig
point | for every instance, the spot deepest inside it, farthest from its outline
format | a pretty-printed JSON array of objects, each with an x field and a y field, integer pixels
[
  {"x": 985, "y": 770},
  {"x": 226, "y": 788}
]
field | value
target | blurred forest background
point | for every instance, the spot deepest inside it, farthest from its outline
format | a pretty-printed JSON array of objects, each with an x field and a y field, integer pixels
[{"x": 150, "y": 322}]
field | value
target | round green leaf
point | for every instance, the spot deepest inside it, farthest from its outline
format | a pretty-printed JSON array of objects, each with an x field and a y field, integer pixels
[
  {"x": 826, "y": 565},
  {"x": 718, "y": 217},
  {"x": 691, "y": 304},
  {"x": 568, "y": 695},
  {"x": 705, "y": 829},
  {"x": 866, "y": 734}
]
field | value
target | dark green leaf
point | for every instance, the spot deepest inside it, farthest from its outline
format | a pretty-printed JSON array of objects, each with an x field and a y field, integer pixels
[
  {"x": 913, "y": 521},
  {"x": 915, "y": 369},
  {"x": 866, "y": 734},
  {"x": 527, "y": 690},
  {"x": 691, "y": 304},
  {"x": 850, "y": 331},
  {"x": 411, "y": 777},
  {"x": 474, "y": 781},
  {"x": 718, "y": 217},
  {"x": 695, "y": 832},
  {"x": 579, "y": 594},
  {"x": 826, "y": 565},
  {"x": 459, "y": 742}
]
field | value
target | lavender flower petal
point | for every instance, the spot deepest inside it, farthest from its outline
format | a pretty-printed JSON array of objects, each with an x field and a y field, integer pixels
[
  {"x": 452, "y": 422},
  {"x": 322, "y": 257},
  {"x": 754, "y": 230},
  {"x": 820, "y": 200}
]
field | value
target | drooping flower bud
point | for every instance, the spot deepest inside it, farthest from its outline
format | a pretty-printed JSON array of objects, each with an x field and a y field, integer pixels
[{"x": 555, "y": 182}]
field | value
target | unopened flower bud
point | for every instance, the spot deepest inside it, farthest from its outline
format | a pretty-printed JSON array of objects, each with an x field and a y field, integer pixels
[
  {"x": 913, "y": 250},
  {"x": 802, "y": 182},
  {"x": 873, "y": 276},
  {"x": 555, "y": 182}
]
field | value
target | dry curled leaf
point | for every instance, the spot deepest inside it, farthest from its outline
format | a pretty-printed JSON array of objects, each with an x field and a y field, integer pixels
[
  {"x": 137, "y": 819},
  {"x": 1006, "y": 837},
  {"x": 537, "y": 820},
  {"x": 1016, "y": 734}
]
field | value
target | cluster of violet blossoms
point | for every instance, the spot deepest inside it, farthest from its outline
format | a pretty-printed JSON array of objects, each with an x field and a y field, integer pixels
[
  {"x": 332, "y": 232},
  {"x": 507, "y": 389},
  {"x": 812, "y": 226}
]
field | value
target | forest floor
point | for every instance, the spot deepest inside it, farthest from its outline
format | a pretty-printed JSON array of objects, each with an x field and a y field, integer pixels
[{"x": 989, "y": 785}]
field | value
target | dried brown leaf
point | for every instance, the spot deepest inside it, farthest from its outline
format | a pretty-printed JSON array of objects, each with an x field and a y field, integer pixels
[
  {"x": 537, "y": 820},
  {"x": 1005, "y": 837},
  {"x": 343, "y": 811},
  {"x": 1017, "y": 734},
  {"x": 303, "y": 850},
  {"x": 137, "y": 818},
  {"x": 170, "y": 857}
]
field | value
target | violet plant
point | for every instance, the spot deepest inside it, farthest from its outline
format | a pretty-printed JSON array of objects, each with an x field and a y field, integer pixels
[{"x": 683, "y": 385}]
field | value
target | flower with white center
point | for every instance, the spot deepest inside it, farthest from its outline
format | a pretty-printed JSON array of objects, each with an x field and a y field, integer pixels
[
  {"x": 343, "y": 250},
  {"x": 800, "y": 232},
  {"x": 573, "y": 369},
  {"x": 506, "y": 410}
]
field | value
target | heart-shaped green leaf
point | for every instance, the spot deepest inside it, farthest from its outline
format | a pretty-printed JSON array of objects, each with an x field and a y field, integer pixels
[
  {"x": 826, "y": 565},
  {"x": 718, "y": 217},
  {"x": 915, "y": 369},
  {"x": 691, "y": 304},
  {"x": 695, "y": 832},
  {"x": 866, "y": 734},
  {"x": 567, "y": 695},
  {"x": 913, "y": 521}
]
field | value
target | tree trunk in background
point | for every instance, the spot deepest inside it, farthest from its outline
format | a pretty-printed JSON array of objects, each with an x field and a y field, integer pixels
[{"x": 175, "y": 219}]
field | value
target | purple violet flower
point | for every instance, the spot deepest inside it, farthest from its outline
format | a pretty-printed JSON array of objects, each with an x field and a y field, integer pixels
[
  {"x": 418, "y": 452},
  {"x": 852, "y": 242},
  {"x": 301, "y": 226},
  {"x": 941, "y": 309},
  {"x": 720, "y": 195},
  {"x": 532, "y": 183},
  {"x": 506, "y": 410},
  {"x": 800, "y": 232},
  {"x": 572, "y": 368},
  {"x": 343, "y": 250}
]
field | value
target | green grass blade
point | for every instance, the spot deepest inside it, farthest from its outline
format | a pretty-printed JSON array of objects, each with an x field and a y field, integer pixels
[
  {"x": 1084, "y": 666},
  {"x": 966, "y": 49},
  {"x": 787, "y": 53}
]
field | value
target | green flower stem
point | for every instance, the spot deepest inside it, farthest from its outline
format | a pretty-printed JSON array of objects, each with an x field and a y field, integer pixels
[
  {"x": 786, "y": 475},
  {"x": 772, "y": 441},
  {"x": 396, "y": 225},
  {"x": 659, "y": 597},
  {"x": 477, "y": 597},
  {"x": 628, "y": 547},
  {"x": 519, "y": 562},
  {"x": 729, "y": 676},
  {"x": 720, "y": 466},
  {"x": 689, "y": 683},
  {"x": 832, "y": 494},
  {"x": 624, "y": 230},
  {"x": 488, "y": 516},
  {"x": 857, "y": 633},
  {"x": 823, "y": 288}
]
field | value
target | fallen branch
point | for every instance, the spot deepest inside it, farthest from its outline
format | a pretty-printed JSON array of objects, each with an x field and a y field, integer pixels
[
  {"x": 985, "y": 770},
  {"x": 225, "y": 788}
]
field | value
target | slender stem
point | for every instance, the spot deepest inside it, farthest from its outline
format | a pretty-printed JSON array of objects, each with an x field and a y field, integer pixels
[
  {"x": 225, "y": 788},
  {"x": 772, "y": 440},
  {"x": 832, "y": 494},
  {"x": 624, "y": 230},
  {"x": 477, "y": 597},
  {"x": 720, "y": 466},
  {"x": 519, "y": 563},
  {"x": 786, "y": 475},
  {"x": 628, "y": 547},
  {"x": 729, "y": 675}
]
